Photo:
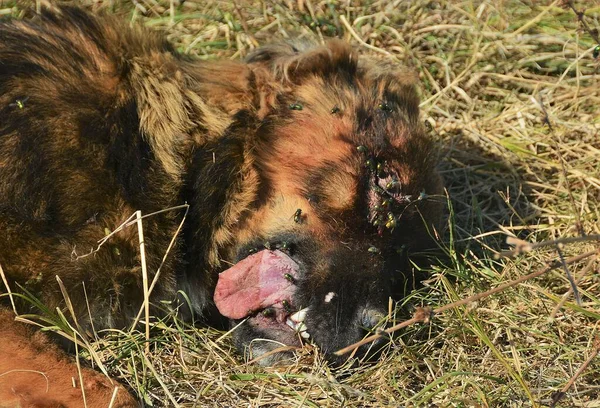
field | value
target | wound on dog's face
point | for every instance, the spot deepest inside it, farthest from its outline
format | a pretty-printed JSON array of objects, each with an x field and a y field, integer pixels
[{"x": 346, "y": 181}]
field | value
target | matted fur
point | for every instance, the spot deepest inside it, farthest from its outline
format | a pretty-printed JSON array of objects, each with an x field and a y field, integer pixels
[{"x": 298, "y": 144}]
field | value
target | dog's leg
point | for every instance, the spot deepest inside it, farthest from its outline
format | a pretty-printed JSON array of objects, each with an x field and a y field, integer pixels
[{"x": 35, "y": 373}]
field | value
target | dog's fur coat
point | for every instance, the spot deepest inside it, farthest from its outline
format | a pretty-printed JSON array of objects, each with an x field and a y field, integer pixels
[{"x": 314, "y": 150}]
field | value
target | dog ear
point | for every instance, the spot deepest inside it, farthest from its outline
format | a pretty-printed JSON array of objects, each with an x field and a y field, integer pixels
[
  {"x": 266, "y": 89},
  {"x": 396, "y": 82},
  {"x": 396, "y": 88},
  {"x": 279, "y": 67},
  {"x": 292, "y": 62},
  {"x": 283, "y": 66}
]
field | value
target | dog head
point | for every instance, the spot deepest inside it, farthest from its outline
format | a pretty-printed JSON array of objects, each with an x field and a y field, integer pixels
[{"x": 335, "y": 181}]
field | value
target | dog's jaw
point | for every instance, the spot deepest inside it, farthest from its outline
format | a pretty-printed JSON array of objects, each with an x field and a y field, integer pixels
[{"x": 261, "y": 289}]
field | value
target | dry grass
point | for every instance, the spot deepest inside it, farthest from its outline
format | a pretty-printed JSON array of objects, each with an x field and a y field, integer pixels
[{"x": 491, "y": 71}]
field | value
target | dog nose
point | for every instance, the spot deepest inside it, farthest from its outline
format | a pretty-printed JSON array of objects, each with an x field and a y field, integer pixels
[{"x": 371, "y": 318}]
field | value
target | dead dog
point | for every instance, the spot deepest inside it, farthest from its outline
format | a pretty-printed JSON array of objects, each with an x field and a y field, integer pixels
[{"x": 305, "y": 170}]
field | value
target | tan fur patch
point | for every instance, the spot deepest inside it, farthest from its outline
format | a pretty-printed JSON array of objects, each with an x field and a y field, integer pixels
[{"x": 39, "y": 374}]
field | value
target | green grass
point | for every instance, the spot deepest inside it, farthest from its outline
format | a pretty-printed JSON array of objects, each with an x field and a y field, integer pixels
[{"x": 482, "y": 66}]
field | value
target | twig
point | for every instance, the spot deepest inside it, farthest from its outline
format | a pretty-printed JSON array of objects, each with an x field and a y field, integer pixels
[
  {"x": 10, "y": 295},
  {"x": 559, "y": 395},
  {"x": 89, "y": 310},
  {"x": 224, "y": 335},
  {"x": 580, "y": 16},
  {"x": 425, "y": 313},
  {"x": 162, "y": 262},
  {"x": 572, "y": 282},
  {"x": 127, "y": 223},
  {"x": 586, "y": 269},
  {"x": 524, "y": 246},
  {"x": 79, "y": 373},
  {"x": 114, "y": 397},
  {"x": 138, "y": 215}
]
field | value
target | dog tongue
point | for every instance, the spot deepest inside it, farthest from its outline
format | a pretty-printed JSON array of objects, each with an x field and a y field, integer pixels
[{"x": 255, "y": 283}]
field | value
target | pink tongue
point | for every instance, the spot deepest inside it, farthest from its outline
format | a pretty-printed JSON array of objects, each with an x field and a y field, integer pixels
[{"x": 255, "y": 283}]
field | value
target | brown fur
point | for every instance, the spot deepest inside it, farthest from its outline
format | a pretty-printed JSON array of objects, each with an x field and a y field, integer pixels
[
  {"x": 35, "y": 373},
  {"x": 112, "y": 120},
  {"x": 119, "y": 74},
  {"x": 309, "y": 139}
]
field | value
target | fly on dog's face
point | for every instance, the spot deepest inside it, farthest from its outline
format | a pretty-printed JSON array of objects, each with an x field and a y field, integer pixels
[{"x": 346, "y": 176}]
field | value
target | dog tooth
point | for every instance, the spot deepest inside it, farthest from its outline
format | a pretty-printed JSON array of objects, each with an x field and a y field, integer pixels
[
  {"x": 291, "y": 323},
  {"x": 300, "y": 315},
  {"x": 304, "y": 334},
  {"x": 300, "y": 327}
]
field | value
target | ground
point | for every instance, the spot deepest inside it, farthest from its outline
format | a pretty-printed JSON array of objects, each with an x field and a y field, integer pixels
[{"x": 511, "y": 91}]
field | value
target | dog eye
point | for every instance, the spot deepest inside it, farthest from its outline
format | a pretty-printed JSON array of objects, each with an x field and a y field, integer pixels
[{"x": 314, "y": 199}]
